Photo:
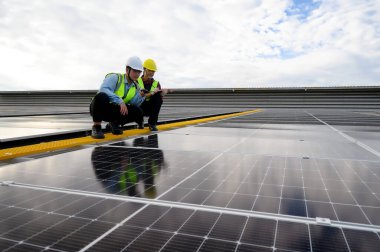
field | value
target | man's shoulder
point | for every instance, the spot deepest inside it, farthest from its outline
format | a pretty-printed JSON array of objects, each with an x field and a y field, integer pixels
[
  {"x": 113, "y": 75},
  {"x": 158, "y": 83},
  {"x": 154, "y": 81}
]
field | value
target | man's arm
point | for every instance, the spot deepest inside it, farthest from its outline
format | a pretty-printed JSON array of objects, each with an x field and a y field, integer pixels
[
  {"x": 109, "y": 86},
  {"x": 164, "y": 91}
]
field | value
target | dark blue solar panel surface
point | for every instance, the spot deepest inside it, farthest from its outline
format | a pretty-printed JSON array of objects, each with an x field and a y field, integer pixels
[{"x": 251, "y": 183}]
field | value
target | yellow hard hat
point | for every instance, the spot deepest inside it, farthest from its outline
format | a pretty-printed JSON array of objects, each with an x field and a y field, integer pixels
[{"x": 150, "y": 64}]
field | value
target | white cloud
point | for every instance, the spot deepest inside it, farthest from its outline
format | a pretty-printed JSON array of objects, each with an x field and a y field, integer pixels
[{"x": 224, "y": 43}]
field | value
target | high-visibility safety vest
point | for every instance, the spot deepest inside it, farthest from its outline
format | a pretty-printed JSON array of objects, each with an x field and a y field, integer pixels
[
  {"x": 141, "y": 85},
  {"x": 120, "y": 89}
]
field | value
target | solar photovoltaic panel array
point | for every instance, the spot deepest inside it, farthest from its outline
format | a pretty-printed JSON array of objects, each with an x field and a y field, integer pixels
[{"x": 284, "y": 180}]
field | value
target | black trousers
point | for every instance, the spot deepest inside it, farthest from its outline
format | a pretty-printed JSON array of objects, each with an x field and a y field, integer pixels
[
  {"x": 152, "y": 108},
  {"x": 102, "y": 110}
]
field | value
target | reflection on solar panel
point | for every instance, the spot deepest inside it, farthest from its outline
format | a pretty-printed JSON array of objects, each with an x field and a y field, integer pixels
[{"x": 295, "y": 181}]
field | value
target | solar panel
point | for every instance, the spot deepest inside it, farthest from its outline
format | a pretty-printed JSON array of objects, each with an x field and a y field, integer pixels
[{"x": 203, "y": 188}]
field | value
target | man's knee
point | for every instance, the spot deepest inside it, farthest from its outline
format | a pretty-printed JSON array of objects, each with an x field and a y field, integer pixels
[
  {"x": 101, "y": 97},
  {"x": 156, "y": 100}
]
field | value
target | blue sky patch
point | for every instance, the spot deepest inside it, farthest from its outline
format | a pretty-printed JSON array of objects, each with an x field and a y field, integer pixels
[
  {"x": 302, "y": 8},
  {"x": 280, "y": 53},
  {"x": 288, "y": 54}
]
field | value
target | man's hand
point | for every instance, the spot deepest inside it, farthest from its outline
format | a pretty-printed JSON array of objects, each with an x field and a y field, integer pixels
[
  {"x": 164, "y": 91},
  {"x": 156, "y": 90},
  {"x": 123, "y": 109},
  {"x": 143, "y": 92}
]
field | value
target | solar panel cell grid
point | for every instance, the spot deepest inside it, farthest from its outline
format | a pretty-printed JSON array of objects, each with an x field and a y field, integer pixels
[
  {"x": 5, "y": 244},
  {"x": 25, "y": 247},
  {"x": 57, "y": 232},
  {"x": 57, "y": 203},
  {"x": 216, "y": 245},
  {"x": 228, "y": 227},
  {"x": 248, "y": 248},
  {"x": 293, "y": 207},
  {"x": 320, "y": 209},
  {"x": 150, "y": 240},
  {"x": 266, "y": 204},
  {"x": 37, "y": 225},
  {"x": 117, "y": 240},
  {"x": 259, "y": 232},
  {"x": 173, "y": 219},
  {"x": 292, "y": 236},
  {"x": 197, "y": 177},
  {"x": 81, "y": 237},
  {"x": 327, "y": 239},
  {"x": 350, "y": 214},
  {"x": 199, "y": 224},
  {"x": 244, "y": 202},
  {"x": 183, "y": 243},
  {"x": 373, "y": 214},
  {"x": 362, "y": 241}
]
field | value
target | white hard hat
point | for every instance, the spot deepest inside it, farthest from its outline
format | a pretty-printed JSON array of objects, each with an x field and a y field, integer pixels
[{"x": 135, "y": 63}]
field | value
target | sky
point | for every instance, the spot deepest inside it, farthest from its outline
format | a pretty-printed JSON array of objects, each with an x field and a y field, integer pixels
[{"x": 72, "y": 45}]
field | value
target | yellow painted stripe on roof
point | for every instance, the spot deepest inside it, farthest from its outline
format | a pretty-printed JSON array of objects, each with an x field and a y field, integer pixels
[{"x": 73, "y": 142}]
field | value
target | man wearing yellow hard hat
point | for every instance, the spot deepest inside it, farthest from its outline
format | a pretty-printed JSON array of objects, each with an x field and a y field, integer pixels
[{"x": 153, "y": 98}]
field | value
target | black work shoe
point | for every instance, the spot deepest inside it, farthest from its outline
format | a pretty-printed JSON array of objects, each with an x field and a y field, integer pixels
[
  {"x": 97, "y": 132},
  {"x": 114, "y": 128},
  {"x": 140, "y": 125},
  {"x": 153, "y": 128}
]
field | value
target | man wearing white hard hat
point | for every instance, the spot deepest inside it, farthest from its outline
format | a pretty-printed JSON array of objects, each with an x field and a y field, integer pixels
[{"x": 118, "y": 100}]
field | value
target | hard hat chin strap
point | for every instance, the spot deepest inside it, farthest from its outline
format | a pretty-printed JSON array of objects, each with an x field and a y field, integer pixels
[{"x": 128, "y": 74}]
